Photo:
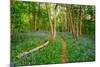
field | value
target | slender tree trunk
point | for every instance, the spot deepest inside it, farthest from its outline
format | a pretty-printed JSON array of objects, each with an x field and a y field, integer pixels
[
  {"x": 77, "y": 20},
  {"x": 66, "y": 22},
  {"x": 74, "y": 29},
  {"x": 62, "y": 24},
  {"x": 50, "y": 22},
  {"x": 34, "y": 23},
  {"x": 68, "y": 19},
  {"x": 72, "y": 26},
  {"x": 34, "y": 20},
  {"x": 38, "y": 28},
  {"x": 52, "y": 25},
  {"x": 80, "y": 26},
  {"x": 54, "y": 29}
]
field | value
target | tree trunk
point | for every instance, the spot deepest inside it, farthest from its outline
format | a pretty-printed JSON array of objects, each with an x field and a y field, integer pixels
[
  {"x": 52, "y": 25},
  {"x": 38, "y": 25},
  {"x": 80, "y": 27},
  {"x": 34, "y": 23},
  {"x": 77, "y": 21},
  {"x": 50, "y": 22},
  {"x": 72, "y": 25},
  {"x": 54, "y": 28}
]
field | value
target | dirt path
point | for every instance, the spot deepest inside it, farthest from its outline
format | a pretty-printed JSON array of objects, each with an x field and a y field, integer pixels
[{"x": 64, "y": 58}]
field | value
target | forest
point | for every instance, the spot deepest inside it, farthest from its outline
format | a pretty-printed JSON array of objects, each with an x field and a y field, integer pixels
[{"x": 51, "y": 33}]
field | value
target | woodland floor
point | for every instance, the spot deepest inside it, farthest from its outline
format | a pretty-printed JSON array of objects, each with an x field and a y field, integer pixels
[{"x": 64, "y": 50}]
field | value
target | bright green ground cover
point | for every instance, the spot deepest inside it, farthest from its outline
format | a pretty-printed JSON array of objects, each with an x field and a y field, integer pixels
[
  {"x": 82, "y": 49},
  {"x": 47, "y": 55}
]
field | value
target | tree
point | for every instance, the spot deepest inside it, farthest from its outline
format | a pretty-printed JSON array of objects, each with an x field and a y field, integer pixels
[{"x": 52, "y": 24}]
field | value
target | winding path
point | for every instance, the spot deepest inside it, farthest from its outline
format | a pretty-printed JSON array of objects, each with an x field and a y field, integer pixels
[{"x": 64, "y": 58}]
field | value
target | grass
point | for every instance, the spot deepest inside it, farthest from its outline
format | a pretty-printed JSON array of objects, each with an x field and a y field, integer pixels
[
  {"x": 47, "y": 55},
  {"x": 80, "y": 50}
]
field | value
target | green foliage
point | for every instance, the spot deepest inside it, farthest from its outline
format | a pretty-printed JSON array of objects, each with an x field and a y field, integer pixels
[
  {"x": 80, "y": 50},
  {"x": 46, "y": 55},
  {"x": 22, "y": 14},
  {"x": 27, "y": 15}
]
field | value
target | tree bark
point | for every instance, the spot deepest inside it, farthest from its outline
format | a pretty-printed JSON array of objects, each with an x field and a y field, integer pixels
[
  {"x": 50, "y": 22},
  {"x": 72, "y": 25},
  {"x": 80, "y": 27},
  {"x": 34, "y": 23}
]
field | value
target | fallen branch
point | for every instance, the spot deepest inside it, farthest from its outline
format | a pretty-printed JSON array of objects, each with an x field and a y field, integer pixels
[{"x": 32, "y": 50}]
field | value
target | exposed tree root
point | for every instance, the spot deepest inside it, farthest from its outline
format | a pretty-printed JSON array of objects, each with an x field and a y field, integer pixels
[{"x": 34, "y": 49}]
